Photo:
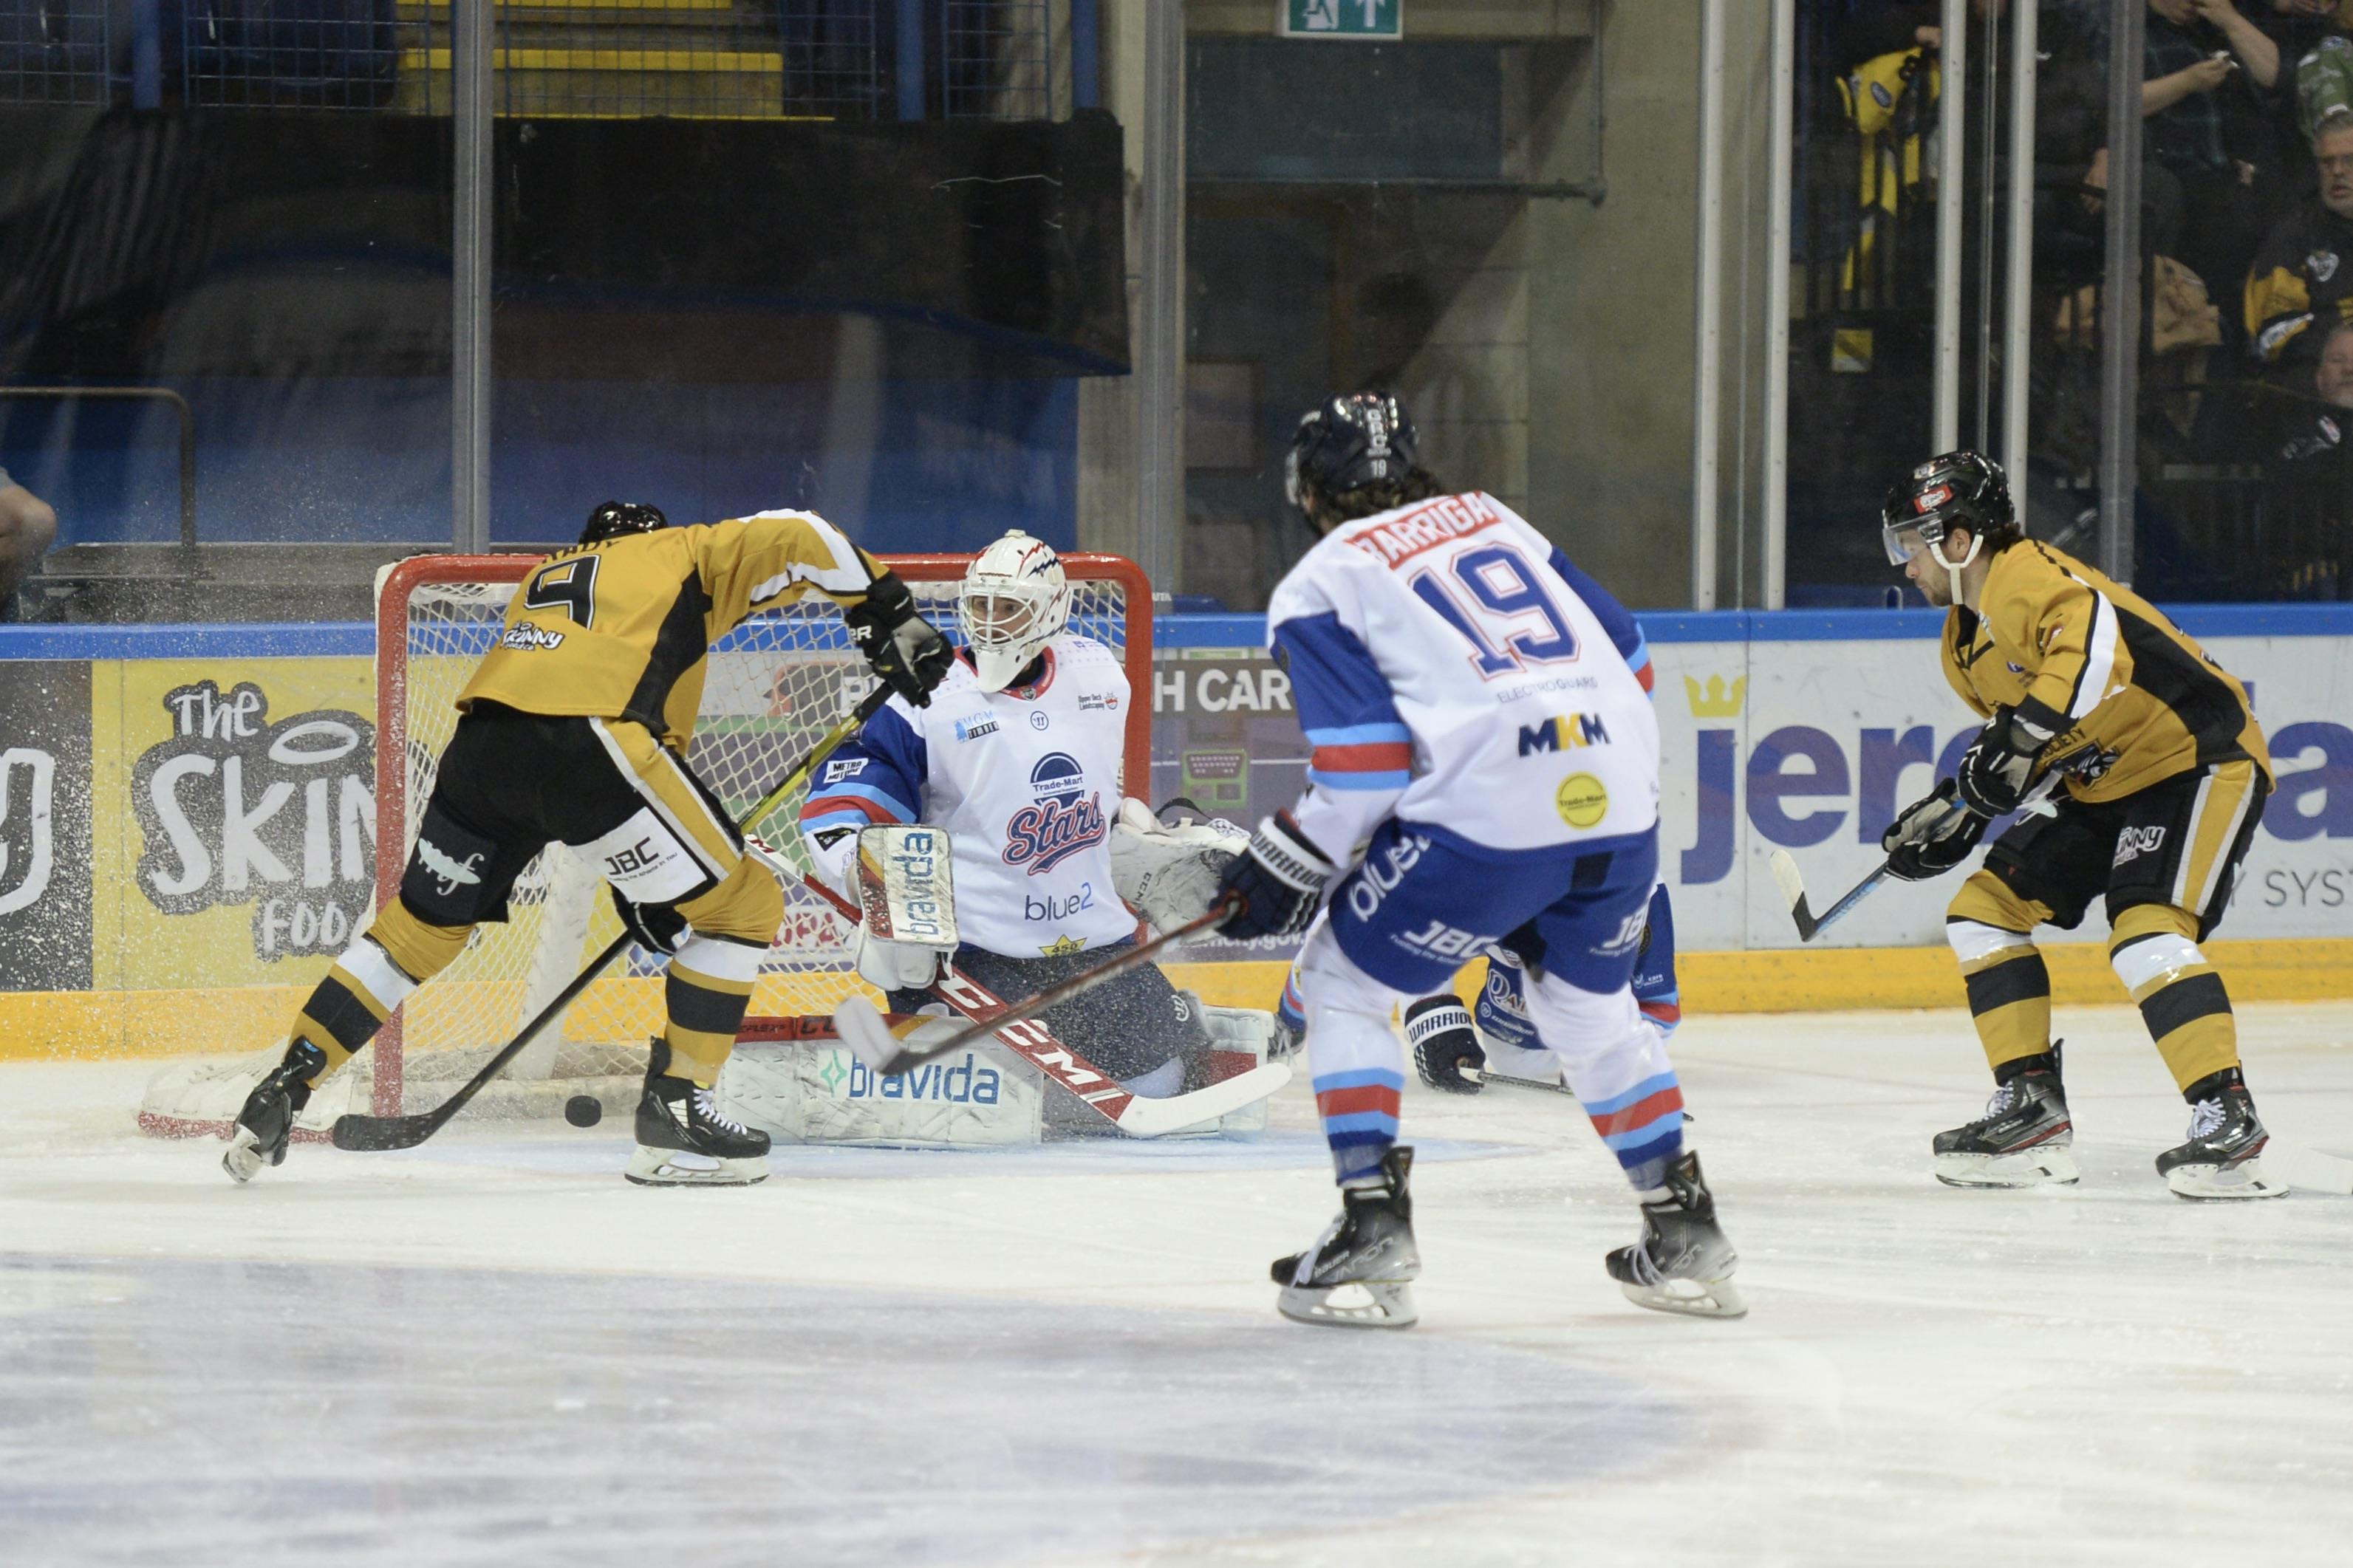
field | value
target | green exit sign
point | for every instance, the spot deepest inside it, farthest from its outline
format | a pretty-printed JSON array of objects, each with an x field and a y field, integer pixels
[{"x": 1343, "y": 18}]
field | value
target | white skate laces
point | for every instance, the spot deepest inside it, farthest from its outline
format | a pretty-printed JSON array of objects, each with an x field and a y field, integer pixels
[
  {"x": 2205, "y": 1119},
  {"x": 706, "y": 1110}
]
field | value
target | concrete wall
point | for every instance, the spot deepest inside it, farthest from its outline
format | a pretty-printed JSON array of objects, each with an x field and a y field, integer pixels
[{"x": 1609, "y": 304}]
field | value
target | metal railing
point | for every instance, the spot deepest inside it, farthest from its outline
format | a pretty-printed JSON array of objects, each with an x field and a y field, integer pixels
[{"x": 55, "y": 52}]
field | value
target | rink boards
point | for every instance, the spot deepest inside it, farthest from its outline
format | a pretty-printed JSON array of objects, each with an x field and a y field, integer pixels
[{"x": 187, "y": 815}]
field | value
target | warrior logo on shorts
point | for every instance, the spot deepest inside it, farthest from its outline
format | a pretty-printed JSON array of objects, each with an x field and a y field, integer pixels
[{"x": 1066, "y": 818}]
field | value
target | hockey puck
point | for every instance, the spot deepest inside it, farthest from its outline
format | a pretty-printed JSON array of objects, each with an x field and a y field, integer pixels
[{"x": 584, "y": 1111}]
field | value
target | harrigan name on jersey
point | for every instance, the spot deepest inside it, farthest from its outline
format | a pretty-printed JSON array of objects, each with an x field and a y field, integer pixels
[{"x": 1431, "y": 523}]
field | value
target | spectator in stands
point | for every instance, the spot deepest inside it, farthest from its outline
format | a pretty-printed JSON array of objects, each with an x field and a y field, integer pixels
[
  {"x": 27, "y": 527},
  {"x": 2303, "y": 273},
  {"x": 2204, "y": 58}
]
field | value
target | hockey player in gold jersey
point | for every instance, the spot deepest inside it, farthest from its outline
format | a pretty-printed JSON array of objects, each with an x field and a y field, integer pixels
[
  {"x": 2142, "y": 773},
  {"x": 574, "y": 730}
]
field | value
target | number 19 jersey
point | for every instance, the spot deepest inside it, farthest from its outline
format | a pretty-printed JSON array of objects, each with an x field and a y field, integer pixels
[{"x": 1453, "y": 668}]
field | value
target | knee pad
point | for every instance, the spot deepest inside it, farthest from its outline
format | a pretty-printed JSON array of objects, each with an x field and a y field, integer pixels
[
  {"x": 747, "y": 905},
  {"x": 420, "y": 948},
  {"x": 1974, "y": 942},
  {"x": 2152, "y": 944}
]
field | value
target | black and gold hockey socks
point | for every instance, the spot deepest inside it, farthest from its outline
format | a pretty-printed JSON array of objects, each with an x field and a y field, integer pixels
[
  {"x": 2181, "y": 998},
  {"x": 372, "y": 977},
  {"x": 2008, "y": 983},
  {"x": 708, "y": 986}
]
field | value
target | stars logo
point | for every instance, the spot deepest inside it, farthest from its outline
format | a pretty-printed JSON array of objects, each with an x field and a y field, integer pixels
[{"x": 1062, "y": 945}]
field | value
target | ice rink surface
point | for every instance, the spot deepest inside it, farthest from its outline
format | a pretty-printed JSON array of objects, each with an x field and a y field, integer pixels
[{"x": 491, "y": 1350}]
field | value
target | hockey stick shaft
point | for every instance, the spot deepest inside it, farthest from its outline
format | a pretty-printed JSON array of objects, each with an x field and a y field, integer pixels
[
  {"x": 1481, "y": 1074},
  {"x": 373, "y": 1134}
]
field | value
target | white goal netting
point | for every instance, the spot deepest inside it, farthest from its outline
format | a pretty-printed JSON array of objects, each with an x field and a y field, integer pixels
[{"x": 775, "y": 685}]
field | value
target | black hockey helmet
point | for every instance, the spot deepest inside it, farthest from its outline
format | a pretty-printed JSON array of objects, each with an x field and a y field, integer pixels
[
  {"x": 1349, "y": 442},
  {"x": 619, "y": 518},
  {"x": 1958, "y": 490}
]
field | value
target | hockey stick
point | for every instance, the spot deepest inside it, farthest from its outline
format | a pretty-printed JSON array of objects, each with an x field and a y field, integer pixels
[
  {"x": 1793, "y": 893},
  {"x": 1482, "y": 1075},
  {"x": 860, "y": 1026},
  {"x": 372, "y": 1134}
]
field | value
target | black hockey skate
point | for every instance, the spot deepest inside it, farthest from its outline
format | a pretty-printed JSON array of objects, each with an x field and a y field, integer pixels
[
  {"x": 2222, "y": 1159},
  {"x": 683, "y": 1141},
  {"x": 267, "y": 1122},
  {"x": 2024, "y": 1139},
  {"x": 1356, "y": 1274},
  {"x": 1684, "y": 1262}
]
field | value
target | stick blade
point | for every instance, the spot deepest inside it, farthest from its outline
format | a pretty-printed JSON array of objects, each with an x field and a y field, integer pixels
[
  {"x": 1793, "y": 893},
  {"x": 2308, "y": 1168},
  {"x": 1145, "y": 1118},
  {"x": 376, "y": 1134}
]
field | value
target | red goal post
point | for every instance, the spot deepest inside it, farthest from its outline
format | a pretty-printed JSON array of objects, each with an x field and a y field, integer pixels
[{"x": 775, "y": 685}]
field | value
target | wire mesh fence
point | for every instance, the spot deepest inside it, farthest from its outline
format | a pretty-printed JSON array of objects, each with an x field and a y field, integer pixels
[
  {"x": 995, "y": 59},
  {"x": 812, "y": 59},
  {"x": 54, "y": 51}
]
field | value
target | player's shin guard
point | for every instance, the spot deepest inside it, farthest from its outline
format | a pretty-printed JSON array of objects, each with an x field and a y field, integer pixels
[
  {"x": 2008, "y": 983},
  {"x": 395, "y": 954},
  {"x": 2187, "y": 1013},
  {"x": 1617, "y": 1062}
]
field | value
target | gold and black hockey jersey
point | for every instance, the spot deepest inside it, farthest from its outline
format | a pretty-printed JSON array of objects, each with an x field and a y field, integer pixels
[
  {"x": 2130, "y": 698},
  {"x": 623, "y": 629}
]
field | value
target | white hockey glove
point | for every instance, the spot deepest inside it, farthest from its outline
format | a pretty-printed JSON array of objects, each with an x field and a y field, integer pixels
[
  {"x": 1169, "y": 874},
  {"x": 896, "y": 966}
]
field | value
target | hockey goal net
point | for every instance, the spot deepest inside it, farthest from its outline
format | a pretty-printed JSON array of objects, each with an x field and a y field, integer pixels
[{"x": 775, "y": 686}]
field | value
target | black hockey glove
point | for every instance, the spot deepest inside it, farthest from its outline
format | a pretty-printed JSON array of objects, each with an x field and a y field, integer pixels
[
  {"x": 1279, "y": 882},
  {"x": 1444, "y": 1043},
  {"x": 1932, "y": 835},
  {"x": 654, "y": 927},
  {"x": 2000, "y": 763},
  {"x": 905, "y": 650}
]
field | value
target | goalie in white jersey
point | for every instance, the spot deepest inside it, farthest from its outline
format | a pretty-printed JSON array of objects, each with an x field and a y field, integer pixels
[
  {"x": 1018, "y": 757},
  {"x": 1484, "y": 778}
]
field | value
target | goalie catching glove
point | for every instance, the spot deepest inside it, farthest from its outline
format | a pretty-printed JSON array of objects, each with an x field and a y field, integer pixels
[
  {"x": 1278, "y": 884},
  {"x": 1170, "y": 868},
  {"x": 906, "y": 653},
  {"x": 1934, "y": 834}
]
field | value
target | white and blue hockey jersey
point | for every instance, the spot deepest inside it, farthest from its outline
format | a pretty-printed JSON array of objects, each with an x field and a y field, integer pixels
[
  {"x": 1026, "y": 781},
  {"x": 1453, "y": 669}
]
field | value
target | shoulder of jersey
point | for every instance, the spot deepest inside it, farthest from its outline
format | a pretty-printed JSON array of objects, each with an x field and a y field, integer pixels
[{"x": 1082, "y": 652}]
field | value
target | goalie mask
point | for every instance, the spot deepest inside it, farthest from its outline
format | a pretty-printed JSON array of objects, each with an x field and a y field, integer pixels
[
  {"x": 1013, "y": 602},
  {"x": 1959, "y": 489}
]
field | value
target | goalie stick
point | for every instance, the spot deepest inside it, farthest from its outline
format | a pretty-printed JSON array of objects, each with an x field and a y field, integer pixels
[
  {"x": 862, "y": 1027},
  {"x": 372, "y": 1134}
]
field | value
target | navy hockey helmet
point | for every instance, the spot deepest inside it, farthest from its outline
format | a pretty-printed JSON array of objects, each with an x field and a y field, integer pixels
[
  {"x": 1355, "y": 440},
  {"x": 619, "y": 520}
]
